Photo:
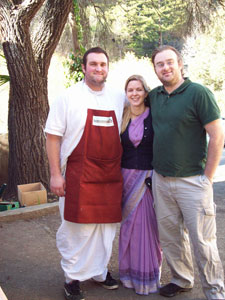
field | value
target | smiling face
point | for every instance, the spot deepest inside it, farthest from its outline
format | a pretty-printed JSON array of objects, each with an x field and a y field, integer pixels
[
  {"x": 136, "y": 93},
  {"x": 168, "y": 69},
  {"x": 96, "y": 70}
]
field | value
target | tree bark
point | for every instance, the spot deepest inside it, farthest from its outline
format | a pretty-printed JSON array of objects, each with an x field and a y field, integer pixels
[
  {"x": 74, "y": 32},
  {"x": 28, "y": 62}
]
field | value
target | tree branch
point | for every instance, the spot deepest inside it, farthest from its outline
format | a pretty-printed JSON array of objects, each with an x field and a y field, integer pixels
[
  {"x": 28, "y": 9},
  {"x": 49, "y": 31},
  {"x": 5, "y": 4}
]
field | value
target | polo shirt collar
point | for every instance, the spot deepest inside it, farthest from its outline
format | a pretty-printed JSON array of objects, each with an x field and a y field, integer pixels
[{"x": 180, "y": 89}]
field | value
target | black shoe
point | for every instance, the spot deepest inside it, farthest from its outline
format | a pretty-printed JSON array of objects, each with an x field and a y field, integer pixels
[
  {"x": 171, "y": 290},
  {"x": 109, "y": 283},
  {"x": 72, "y": 291}
]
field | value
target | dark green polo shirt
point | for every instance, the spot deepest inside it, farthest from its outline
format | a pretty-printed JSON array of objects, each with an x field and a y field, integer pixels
[{"x": 180, "y": 146}]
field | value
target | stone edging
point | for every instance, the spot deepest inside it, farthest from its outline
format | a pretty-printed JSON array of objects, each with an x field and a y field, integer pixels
[{"x": 29, "y": 212}]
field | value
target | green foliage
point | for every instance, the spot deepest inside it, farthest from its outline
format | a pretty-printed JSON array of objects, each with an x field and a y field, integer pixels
[
  {"x": 155, "y": 22},
  {"x": 142, "y": 25},
  {"x": 205, "y": 56},
  {"x": 77, "y": 19},
  {"x": 102, "y": 24},
  {"x": 4, "y": 78},
  {"x": 138, "y": 26},
  {"x": 73, "y": 64},
  {"x": 73, "y": 68}
]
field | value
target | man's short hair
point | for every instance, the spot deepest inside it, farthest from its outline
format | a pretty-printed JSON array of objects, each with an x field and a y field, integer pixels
[
  {"x": 163, "y": 48},
  {"x": 94, "y": 50}
]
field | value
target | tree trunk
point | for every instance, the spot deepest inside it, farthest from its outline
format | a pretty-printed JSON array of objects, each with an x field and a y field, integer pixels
[
  {"x": 28, "y": 109},
  {"x": 28, "y": 65},
  {"x": 74, "y": 32}
]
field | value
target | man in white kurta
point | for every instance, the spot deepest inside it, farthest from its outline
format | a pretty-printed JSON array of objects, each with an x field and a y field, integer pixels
[{"x": 85, "y": 248}]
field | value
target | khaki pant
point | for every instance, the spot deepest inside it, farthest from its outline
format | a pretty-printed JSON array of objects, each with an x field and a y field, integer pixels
[
  {"x": 2, "y": 295},
  {"x": 184, "y": 207}
]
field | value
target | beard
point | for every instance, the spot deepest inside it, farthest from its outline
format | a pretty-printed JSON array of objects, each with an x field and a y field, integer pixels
[
  {"x": 95, "y": 80},
  {"x": 172, "y": 81}
]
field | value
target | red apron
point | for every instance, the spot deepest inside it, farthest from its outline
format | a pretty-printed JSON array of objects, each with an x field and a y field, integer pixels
[{"x": 93, "y": 172}]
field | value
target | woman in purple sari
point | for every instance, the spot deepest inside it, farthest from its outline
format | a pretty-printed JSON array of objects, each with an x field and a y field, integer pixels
[{"x": 139, "y": 250}]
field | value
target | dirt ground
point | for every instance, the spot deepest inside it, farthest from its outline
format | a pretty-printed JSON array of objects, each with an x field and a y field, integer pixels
[{"x": 30, "y": 263}]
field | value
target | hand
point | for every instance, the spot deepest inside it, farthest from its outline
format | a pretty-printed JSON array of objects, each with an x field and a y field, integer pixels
[
  {"x": 210, "y": 178},
  {"x": 58, "y": 185}
]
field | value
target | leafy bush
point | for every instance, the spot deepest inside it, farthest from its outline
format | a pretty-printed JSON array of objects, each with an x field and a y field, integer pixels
[{"x": 73, "y": 68}]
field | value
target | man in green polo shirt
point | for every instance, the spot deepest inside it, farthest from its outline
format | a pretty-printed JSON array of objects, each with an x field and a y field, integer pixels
[{"x": 184, "y": 166}]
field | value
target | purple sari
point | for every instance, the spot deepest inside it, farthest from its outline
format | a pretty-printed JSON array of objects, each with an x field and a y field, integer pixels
[{"x": 139, "y": 250}]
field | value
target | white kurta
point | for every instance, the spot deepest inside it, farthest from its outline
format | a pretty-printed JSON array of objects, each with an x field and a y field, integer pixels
[
  {"x": 85, "y": 248},
  {"x": 68, "y": 114}
]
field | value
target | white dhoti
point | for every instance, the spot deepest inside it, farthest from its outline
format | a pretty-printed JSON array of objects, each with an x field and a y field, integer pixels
[{"x": 85, "y": 248}]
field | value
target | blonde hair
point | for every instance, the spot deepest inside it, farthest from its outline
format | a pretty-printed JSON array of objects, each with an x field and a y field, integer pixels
[{"x": 127, "y": 109}]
